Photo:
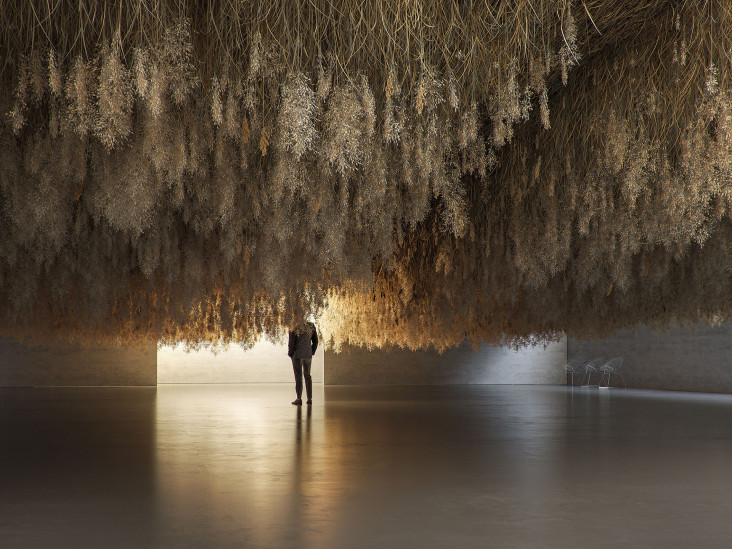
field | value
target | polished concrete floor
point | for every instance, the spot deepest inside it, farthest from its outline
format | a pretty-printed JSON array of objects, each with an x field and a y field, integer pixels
[{"x": 466, "y": 466}]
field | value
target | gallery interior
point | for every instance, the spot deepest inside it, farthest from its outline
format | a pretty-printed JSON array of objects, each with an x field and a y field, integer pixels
[{"x": 509, "y": 220}]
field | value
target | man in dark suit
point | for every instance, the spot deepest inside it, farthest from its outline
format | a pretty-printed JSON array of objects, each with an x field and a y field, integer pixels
[{"x": 301, "y": 348}]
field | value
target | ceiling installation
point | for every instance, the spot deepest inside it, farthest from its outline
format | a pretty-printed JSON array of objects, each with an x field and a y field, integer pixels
[{"x": 412, "y": 172}]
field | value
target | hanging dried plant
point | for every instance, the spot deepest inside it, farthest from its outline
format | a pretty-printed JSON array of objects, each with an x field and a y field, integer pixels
[
  {"x": 404, "y": 183},
  {"x": 55, "y": 78},
  {"x": 544, "y": 108},
  {"x": 468, "y": 131},
  {"x": 114, "y": 123},
  {"x": 18, "y": 113},
  {"x": 264, "y": 140},
  {"x": 177, "y": 57},
  {"x": 80, "y": 91},
  {"x": 255, "y": 56},
  {"x": 156, "y": 90},
  {"x": 37, "y": 80},
  {"x": 393, "y": 122},
  {"x": 140, "y": 72},
  {"x": 369, "y": 106},
  {"x": 217, "y": 108},
  {"x": 342, "y": 129},
  {"x": 325, "y": 77},
  {"x": 232, "y": 125},
  {"x": 569, "y": 54},
  {"x": 429, "y": 90},
  {"x": 297, "y": 116}
]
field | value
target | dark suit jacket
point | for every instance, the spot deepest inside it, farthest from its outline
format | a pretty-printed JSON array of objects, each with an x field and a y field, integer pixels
[{"x": 303, "y": 341}]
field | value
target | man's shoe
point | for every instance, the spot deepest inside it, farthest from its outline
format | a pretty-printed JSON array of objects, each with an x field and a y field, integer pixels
[
  {"x": 297, "y": 402},
  {"x": 310, "y": 401}
]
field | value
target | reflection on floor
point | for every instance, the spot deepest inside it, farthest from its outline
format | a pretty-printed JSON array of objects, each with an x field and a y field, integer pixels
[{"x": 466, "y": 466}]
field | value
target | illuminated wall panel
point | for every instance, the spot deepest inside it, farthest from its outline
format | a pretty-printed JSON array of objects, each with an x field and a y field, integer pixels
[{"x": 264, "y": 363}]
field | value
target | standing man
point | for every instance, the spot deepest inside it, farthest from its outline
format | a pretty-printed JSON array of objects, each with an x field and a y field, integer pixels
[{"x": 301, "y": 348}]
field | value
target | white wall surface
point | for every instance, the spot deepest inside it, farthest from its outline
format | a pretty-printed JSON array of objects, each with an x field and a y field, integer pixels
[
  {"x": 264, "y": 363},
  {"x": 463, "y": 365}
]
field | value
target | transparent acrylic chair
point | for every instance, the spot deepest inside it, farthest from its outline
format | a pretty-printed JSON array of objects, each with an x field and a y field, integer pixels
[
  {"x": 592, "y": 367},
  {"x": 574, "y": 366},
  {"x": 612, "y": 367}
]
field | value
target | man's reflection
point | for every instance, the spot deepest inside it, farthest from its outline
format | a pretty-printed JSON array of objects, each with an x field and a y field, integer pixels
[{"x": 299, "y": 423}]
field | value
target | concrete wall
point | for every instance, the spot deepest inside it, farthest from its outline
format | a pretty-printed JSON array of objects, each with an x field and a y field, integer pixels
[
  {"x": 462, "y": 365},
  {"x": 680, "y": 359},
  {"x": 73, "y": 365},
  {"x": 264, "y": 363}
]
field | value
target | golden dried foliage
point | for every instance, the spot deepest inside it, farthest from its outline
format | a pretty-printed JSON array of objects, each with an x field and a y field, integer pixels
[{"x": 503, "y": 172}]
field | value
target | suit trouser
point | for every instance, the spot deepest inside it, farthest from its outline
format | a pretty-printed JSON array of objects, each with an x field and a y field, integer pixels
[{"x": 301, "y": 366}]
